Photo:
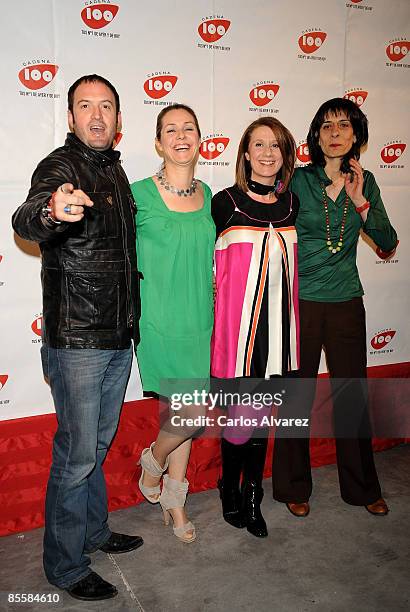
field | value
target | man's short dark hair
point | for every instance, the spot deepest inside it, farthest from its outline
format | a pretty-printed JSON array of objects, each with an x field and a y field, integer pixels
[
  {"x": 92, "y": 78},
  {"x": 335, "y": 106}
]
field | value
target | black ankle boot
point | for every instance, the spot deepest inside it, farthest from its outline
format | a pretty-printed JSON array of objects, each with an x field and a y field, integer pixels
[
  {"x": 252, "y": 495},
  {"x": 252, "y": 492},
  {"x": 231, "y": 505},
  {"x": 228, "y": 485}
]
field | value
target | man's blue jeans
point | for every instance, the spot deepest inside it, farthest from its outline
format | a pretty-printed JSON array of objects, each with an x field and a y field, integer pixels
[{"x": 88, "y": 387}]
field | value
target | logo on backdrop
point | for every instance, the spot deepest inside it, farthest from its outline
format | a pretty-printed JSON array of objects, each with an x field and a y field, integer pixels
[
  {"x": 380, "y": 341},
  {"x": 397, "y": 50},
  {"x": 36, "y": 75},
  {"x": 310, "y": 41},
  {"x": 356, "y": 4},
  {"x": 3, "y": 380},
  {"x": 391, "y": 153},
  {"x": 393, "y": 259},
  {"x": 358, "y": 96},
  {"x": 211, "y": 30},
  {"x": 302, "y": 153},
  {"x": 158, "y": 85},
  {"x": 212, "y": 147},
  {"x": 117, "y": 139},
  {"x": 261, "y": 95},
  {"x": 97, "y": 16},
  {"x": 36, "y": 328}
]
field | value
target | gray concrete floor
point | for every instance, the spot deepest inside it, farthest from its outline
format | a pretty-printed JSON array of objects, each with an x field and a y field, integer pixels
[{"x": 339, "y": 558}]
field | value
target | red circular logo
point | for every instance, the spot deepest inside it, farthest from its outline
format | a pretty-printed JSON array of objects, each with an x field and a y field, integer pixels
[
  {"x": 213, "y": 29},
  {"x": 159, "y": 86},
  {"x": 213, "y": 147},
  {"x": 358, "y": 96},
  {"x": 381, "y": 339},
  {"x": 302, "y": 153},
  {"x": 311, "y": 41},
  {"x": 263, "y": 94},
  {"x": 37, "y": 76},
  {"x": 397, "y": 50},
  {"x": 37, "y": 325},
  {"x": 98, "y": 16},
  {"x": 390, "y": 153}
]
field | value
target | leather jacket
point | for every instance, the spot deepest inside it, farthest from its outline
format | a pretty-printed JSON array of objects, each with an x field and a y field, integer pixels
[{"x": 89, "y": 268}]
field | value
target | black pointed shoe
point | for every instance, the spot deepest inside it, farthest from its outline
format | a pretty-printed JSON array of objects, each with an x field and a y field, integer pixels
[
  {"x": 252, "y": 495},
  {"x": 231, "y": 505},
  {"x": 121, "y": 543},
  {"x": 92, "y": 588}
]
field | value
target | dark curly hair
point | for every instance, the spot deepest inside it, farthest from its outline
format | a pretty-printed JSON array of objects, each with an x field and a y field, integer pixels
[{"x": 335, "y": 106}]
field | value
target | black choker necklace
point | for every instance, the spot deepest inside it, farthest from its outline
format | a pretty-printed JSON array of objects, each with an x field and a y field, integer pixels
[{"x": 260, "y": 188}]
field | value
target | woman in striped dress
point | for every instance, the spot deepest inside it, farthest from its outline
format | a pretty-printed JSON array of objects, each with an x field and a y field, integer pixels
[{"x": 256, "y": 308}]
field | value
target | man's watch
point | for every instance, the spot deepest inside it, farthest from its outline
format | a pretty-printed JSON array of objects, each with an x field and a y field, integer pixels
[{"x": 47, "y": 214}]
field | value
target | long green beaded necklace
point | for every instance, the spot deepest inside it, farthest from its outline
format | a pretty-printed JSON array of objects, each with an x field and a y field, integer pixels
[{"x": 331, "y": 247}]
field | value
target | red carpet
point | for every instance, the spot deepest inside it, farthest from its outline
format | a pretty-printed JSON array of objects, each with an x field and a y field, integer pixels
[{"x": 25, "y": 455}]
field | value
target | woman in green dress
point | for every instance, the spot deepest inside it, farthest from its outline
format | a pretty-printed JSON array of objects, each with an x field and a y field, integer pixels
[{"x": 175, "y": 242}]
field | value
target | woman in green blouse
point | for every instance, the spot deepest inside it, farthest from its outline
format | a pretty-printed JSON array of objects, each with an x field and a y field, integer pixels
[
  {"x": 337, "y": 199},
  {"x": 175, "y": 243}
]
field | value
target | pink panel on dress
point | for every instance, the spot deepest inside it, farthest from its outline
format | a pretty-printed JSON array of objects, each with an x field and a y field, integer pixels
[{"x": 232, "y": 269}]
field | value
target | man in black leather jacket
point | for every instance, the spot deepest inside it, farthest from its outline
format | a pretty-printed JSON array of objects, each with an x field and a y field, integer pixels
[{"x": 81, "y": 211}]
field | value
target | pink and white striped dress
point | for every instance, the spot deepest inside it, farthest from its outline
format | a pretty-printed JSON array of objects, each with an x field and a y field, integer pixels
[{"x": 256, "y": 329}]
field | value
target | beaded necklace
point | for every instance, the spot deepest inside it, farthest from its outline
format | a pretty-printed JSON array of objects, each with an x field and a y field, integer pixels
[
  {"x": 332, "y": 248},
  {"x": 179, "y": 192}
]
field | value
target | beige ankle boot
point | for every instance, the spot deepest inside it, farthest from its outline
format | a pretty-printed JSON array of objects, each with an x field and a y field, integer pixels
[
  {"x": 150, "y": 464},
  {"x": 174, "y": 495}
]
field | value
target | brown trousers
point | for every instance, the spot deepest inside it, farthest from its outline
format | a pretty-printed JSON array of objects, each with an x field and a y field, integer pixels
[{"x": 340, "y": 328}]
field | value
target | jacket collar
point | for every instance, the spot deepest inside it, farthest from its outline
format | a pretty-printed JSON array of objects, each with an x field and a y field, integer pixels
[
  {"x": 99, "y": 158},
  {"x": 321, "y": 175}
]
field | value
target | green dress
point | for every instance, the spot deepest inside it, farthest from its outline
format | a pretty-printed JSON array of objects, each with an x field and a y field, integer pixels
[{"x": 175, "y": 253}]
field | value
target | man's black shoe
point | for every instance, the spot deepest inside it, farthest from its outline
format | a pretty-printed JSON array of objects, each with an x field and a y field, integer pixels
[
  {"x": 92, "y": 588},
  {"x": 121, "y": 543}
]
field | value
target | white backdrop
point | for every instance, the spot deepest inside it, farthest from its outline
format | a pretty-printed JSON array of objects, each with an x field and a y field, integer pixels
[{"x": 231, "y": 60}]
